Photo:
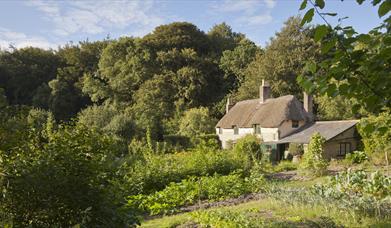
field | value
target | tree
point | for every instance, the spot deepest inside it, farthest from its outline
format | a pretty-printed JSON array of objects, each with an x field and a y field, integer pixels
[
  {"x": 222, "y": 38},
  {"x": 283, "y": 60},
  {"x": 358, "y": 66},
  {"x": 196, "y": 122},
  {"x": 124, "y": 65},
  {"x": 336, "y": 108},
  {"x": 234, "y": 62},
  {"x": 23, "y": 71},
  {"x": 154, "y": 102},
  {"x": 179, "y": 35},
  {"x": 3, "y": 98},
  {"x": 67, "y": 98},
  {"x": 313, "y": 162}
]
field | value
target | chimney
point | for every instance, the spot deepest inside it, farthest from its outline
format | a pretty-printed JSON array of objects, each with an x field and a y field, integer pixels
[
  {"x": 228, "y": 106},
  {"x": 308, "y": 104},
  {"x": 264, "y": 91}
]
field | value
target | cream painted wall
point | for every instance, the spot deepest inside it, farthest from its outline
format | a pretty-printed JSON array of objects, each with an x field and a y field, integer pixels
[
  {"x": 267, "y": 135},
  {"x": 286, "y": 127}
]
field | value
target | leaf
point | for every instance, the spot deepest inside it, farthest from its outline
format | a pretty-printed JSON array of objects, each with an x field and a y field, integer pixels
[
  {"x": 364, "y": 38},
  {"x": 360, "y": 1},
  {"x": 330, "y": 14},
  {"x": 320, "y": 3},
  {"x": 327, "y": 46},
  {"x": 308, "y": 16},
  {"x": 303, "y": 5},
  {"x": 384, "y": 8},
  {"x": 320, "y": 32}
]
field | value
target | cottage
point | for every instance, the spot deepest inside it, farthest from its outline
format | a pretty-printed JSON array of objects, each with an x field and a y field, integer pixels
[{"x": 283, "y": 120}]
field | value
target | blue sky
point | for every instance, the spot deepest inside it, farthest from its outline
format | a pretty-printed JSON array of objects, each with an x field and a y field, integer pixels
[{"x": 48, "y": 24}]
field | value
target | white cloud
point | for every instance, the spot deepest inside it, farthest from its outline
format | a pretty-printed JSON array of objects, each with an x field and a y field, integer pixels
[
  {"x": 248, "y": 12},
  {"x": 270, "y": 3},
  {"x": 94, "y": 17},
  {"x": 20, "y": 40}
]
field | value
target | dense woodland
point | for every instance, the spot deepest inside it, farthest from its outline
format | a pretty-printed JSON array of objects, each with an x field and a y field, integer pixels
[{"x": 101, "y": 133}]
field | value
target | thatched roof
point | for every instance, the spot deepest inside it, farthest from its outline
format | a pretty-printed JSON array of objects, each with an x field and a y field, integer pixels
[
  {"x": 269, "y": 114},
  {"x": 328, "y": 129}
]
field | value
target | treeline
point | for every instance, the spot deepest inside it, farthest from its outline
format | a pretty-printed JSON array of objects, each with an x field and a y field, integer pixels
[{"x": 129, "y": 85}]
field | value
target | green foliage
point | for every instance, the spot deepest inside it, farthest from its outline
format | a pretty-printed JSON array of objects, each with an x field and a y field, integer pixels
[
  {"x": 285, "y": 166},
  {"x": 296, "y": 149},
  {"x": 3, "y": 99},
  {"x": 110, "y": 119},
  {"x": 249, "y": 146},
  {"x": 234, "y": 62},
  {"x": 283, "y": 59},
  {"x": 196, "y": 122},
  {"x": 357, "y": 66},
  {"x": 376, "y": 135},
  {"x": 366, "y": 193},
  {"x": 313, "y": 162},
  {"x": 154, "y": 172},
  {"x": 24, "y": 71},
  {"x": 61, "y": 178},
  {"x": 187, "y": 192},
  {"x": 337, "y": 108},
  {"x": 357, "y": 157}
]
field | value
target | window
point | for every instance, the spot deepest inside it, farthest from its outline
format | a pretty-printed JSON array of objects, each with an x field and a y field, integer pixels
[
  {"x": 236, "y": 130},
  {"x": 295, "y": 124},
  {"x": 257, "y": 128},
  {"x": 344, "y": 148},
  {"x": 220, "y": 130}
]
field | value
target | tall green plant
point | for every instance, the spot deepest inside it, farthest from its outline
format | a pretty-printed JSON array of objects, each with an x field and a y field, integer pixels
[{"x": 313, "y": 161}]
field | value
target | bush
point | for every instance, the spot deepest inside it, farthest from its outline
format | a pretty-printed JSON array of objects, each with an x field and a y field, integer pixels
[
  {"x": 179, "y": 141},
  {"x": 60, "y": 181},
  {"x": 313, "y": 162},
  {"x": 249, "y": 146},
  {"x": 356, "y": 157},
  {"x": 376, "y": 136},
  {"x": 296, "y": 149}
]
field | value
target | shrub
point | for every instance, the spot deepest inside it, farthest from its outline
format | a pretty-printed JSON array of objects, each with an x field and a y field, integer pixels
[
  {"x": 296, "y": 149},
  {"x": 376, "y": 136},
  {"x": 250, "y": 146},
  {"x": 313, "y": 162},
  {"x": 62, "y": 180},
  {"x": 196, "y": 121},
  {"x": 356, "y": 157},
  {"x": 179, "y": 141}
]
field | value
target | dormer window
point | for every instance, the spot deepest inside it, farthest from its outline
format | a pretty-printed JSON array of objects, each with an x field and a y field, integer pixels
[
  {"x": 236, "y": 130},
  {"x": 257, "y": 128},
  {"x": 295, "y": 124}
]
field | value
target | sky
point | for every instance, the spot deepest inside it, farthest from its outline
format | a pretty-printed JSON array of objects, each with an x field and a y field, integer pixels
[{"x": 48, "y": 24}]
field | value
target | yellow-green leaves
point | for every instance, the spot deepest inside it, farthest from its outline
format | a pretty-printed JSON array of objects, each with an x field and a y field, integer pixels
[
  {"x": 320, "y": 3},
  {"x": 384, "y": 8},
  {"x": 308, "y": 16},
  {"x": 320, "y": 32},
  {"x": 303, "y": 5}
]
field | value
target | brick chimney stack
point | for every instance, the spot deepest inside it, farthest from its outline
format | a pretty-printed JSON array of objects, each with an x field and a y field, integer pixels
[
  {"x": 228, "y": 106},
  {"x": 264, "y": 91},
  {"x": 309, "y": 104}
]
